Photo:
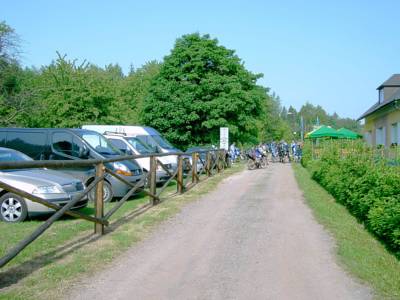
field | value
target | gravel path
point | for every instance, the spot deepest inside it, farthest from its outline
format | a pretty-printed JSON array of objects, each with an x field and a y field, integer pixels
[{"x": 252, "y": 238}]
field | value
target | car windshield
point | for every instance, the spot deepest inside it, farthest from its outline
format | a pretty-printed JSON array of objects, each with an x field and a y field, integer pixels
[
  {"x": 100, "y": 144},
  {"x": 164, "y": 144},
  {"x": 138, "y": 145},
  {"x": 8, "y": 155}
]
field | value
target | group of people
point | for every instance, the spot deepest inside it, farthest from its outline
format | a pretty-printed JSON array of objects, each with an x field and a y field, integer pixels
[
  {"x": 276, "y": 151},
  {"x": 283, "y": 151}
]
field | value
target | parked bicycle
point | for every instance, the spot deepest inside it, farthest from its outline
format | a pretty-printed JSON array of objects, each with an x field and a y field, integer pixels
[{"x": 256, "y": 161}]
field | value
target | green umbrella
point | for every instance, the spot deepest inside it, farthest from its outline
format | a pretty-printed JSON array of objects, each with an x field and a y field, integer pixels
[
  {"x": 348, "y": 134},
  {"x": 324, "y": 131}
]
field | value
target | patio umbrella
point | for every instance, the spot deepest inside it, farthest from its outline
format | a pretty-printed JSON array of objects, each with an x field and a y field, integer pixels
[
  {"x": 348, "y": 134},
  {"x": 324, "y": 131}
]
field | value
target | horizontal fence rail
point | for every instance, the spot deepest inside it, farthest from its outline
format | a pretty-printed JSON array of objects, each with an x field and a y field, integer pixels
[{"x": 215, "y": 162}]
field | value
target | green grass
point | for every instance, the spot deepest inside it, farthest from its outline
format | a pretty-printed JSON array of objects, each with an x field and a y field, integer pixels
[
  {"x": 69, "y": 251},
  {"x": 358, "y": 251}
]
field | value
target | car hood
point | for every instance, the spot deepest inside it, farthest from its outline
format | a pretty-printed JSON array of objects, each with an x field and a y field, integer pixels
[
  {"x": 38, "y": 177},
  {"x": 131, "y": 164},
  {"x": 170, "y": 159}
]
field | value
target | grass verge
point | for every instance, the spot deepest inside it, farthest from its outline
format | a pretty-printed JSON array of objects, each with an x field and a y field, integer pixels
[
  {"x": 358, "y": 251},
  {"x": 69, "y": 251}
]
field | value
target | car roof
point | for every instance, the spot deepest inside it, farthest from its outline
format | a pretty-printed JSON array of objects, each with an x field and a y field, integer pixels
[{"x": 7, "y": 149}]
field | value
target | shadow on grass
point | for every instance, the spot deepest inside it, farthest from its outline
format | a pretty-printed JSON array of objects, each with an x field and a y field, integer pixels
[
  {"x": 17, "y": 273},
  {"x": 20, "y": 271}
]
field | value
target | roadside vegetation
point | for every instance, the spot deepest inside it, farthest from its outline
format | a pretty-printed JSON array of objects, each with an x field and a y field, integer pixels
[
  {"x": 356, "y": 195},
  {"x": 357, "y": 249},
  {"x": 366, "y": 183},
  {"x": 69, "y": 251}
]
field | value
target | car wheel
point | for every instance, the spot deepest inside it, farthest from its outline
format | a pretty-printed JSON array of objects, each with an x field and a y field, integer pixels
[
  {"x": 107, "y": 193},
  {"x": 13, "y": 208}
]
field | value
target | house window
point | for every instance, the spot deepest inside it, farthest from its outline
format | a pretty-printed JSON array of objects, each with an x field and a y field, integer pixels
[
  {"x": 394, "y": 134},
  {"x": 380, "y": 136},
  {"x": 381, "y": 96},
  {"x": 368, "y": 137}
]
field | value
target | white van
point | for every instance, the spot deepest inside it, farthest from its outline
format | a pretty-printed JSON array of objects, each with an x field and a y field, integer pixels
[
  {"x": 131, "y": 145},
  {"x": 149, "y": 136}
]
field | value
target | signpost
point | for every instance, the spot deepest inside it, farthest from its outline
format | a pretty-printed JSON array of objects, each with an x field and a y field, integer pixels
[{"x": 224, "y": 138}]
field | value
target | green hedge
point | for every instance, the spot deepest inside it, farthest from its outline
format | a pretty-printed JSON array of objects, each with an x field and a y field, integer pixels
[{"x": 367, "y": 185}]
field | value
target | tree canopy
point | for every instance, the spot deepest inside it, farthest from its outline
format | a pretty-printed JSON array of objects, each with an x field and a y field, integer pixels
[{"x": 201, "y": 87}]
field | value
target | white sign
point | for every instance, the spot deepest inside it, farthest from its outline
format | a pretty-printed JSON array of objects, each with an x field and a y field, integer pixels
[{"x": 224, "y": 138}]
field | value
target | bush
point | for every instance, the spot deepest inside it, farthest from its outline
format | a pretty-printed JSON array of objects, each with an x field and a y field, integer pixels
[{"x": 368, "y": 186}]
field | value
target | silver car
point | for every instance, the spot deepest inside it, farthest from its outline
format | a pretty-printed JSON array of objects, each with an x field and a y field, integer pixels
[{"x": 53, "y": 186}]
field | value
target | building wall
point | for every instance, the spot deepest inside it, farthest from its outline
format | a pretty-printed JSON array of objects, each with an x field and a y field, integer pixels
[
  {"x": 384, "y": 118},
  {"x": 388, "y": 92}
]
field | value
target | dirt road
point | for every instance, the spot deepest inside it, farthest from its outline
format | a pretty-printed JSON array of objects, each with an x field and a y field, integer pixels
[{"x": 252, "y": 238}]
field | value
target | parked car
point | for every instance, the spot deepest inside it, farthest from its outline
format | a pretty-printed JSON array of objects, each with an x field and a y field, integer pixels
[
  {"x": 131, "y": 145},
  {"x": 74, "y": 144},
  {"x": 150, "y": 137},
  {"x": 202, "y": 157},
  {"x": 53, "y": 186}
]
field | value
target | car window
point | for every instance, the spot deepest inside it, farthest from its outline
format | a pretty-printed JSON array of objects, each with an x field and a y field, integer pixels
[
  {"x": 138, "y": 145},
  {"x": 66, "y": 143},
  {"x": 163, "y": 143},
  {"x": 2, "y": 138},
  {"x": 148, "y": 141},
  {"x": 119, "y": 144},
  {"x": 29, "y": 142},
  {"x": 100, "y": 143},
  {"x": 10, "y": 155}
]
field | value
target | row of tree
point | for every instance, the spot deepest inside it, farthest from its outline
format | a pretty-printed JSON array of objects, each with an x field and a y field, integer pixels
[
  {"x": 310, "y": 116},
  {"x": 198, "y": 88}
]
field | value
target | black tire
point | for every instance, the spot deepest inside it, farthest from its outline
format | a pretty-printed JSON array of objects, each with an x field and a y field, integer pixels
[
  {"x": 107, "y": 193},
  {"x": 251, "y": 164},
  {"x": 13, "y": 208},
  {"x": 264, "y": 163}
]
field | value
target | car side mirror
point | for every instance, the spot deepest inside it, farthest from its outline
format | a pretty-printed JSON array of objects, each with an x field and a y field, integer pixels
[{"x": 128, "y": 152}]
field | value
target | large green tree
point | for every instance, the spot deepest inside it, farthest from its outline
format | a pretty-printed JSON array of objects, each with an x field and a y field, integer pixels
[
  {"x": 14, "y": 102},
  {"x": 134, "y": 90},
  {"x": 201, "y": 87},
  {"x": 70, "y": 94}
]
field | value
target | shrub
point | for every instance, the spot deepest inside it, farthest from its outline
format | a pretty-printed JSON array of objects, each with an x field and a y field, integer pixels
[{"x": 366, "y": 184}]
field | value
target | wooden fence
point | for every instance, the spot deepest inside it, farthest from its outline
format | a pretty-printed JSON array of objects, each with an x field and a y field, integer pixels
[{"x": 214, "y": 162}]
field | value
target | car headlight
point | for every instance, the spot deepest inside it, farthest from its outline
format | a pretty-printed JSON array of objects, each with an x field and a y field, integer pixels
[
  {"x": 121, "y": 169},
  {"x": 48, "y": 189}
]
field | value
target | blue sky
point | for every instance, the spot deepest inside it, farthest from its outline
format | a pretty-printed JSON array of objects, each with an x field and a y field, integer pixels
[{"x": 330, "y": 53}]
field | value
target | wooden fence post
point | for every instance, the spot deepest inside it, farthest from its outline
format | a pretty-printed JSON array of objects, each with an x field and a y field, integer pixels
[
  {"x": 153, "y": 179},
  {"x": 99, "y": 201},
  {"x": 208, "y": 163},
  {"x": 179, "y": 175},
  {"x": 219, "y": 161},
  {"x": 194, "y": 167}
]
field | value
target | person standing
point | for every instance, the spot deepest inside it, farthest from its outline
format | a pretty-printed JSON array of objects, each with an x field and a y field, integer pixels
[{"x": 232, "y": 151}]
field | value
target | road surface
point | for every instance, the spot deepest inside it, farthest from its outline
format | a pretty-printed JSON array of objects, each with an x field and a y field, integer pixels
[{"x": 251, "y": 238}]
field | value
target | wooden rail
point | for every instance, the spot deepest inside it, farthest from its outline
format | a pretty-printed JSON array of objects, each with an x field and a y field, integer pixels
[{"x": 215, "y": 163}]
